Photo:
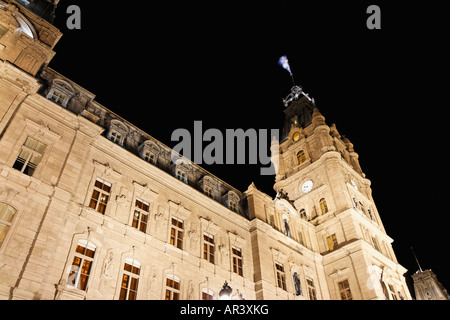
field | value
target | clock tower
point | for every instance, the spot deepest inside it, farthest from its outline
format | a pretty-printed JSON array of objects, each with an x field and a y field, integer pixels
[{"x": 319, "y": 171}]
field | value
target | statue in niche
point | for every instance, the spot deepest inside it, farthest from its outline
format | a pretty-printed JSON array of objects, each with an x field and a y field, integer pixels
[
  {"x": 107, "y": 276},
  {"x": 192, "y": 234},
  {"x": 190, "y": 291},
  {"x": 297, "y": 285}
]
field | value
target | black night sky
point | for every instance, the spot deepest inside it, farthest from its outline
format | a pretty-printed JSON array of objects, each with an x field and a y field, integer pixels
[{"x": 163, "y": 66}]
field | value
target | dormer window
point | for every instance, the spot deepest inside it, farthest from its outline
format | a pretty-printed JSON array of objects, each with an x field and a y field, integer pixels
[
  {"x": 231, "y": 200},
  {"x": 149, "y": 151},
  {"x": 117, "y": 132},
  {"x": 209, "y": 192},
  {"x": 60, "y": 92}
]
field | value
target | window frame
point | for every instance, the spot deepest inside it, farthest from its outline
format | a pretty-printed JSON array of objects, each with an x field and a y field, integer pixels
[
  {"x": 132, "y": 274},
  {"x": 312, "y": 293},
  {"x": 32, "y": 153},
  {"x": 101, "y": 192},
  {"x": 237, "y": 261},
  {"x": 7, "y": 224},
  {"x": 323, "y": 206},
  {"x": 140, "y": 212},
  {"x": 345, "y": 292},
  {"x": 332, "y": 242},
  {"x": 176, "y": 233},
  {"x": 208, "y": 248},
  {"x": 173, "y": 288},
  {"x": 280, "y": 276},
  {"x": 87, "y": 245}
]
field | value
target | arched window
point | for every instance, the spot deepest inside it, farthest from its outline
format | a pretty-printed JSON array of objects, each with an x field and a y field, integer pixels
[
  {"x": 287, "y": 229},
  {"x": 323, "y": 205},
  {"x": 301, "y": 158},
  {"x": 6, "y": 215},
  {"x": 81, "y": 266}
]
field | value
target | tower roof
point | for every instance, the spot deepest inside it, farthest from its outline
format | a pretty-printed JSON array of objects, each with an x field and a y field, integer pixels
[{"x": 299, "y": 113}]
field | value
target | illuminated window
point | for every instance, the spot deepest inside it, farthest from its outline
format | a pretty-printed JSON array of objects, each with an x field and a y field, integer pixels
[
  {"x": 344, "y": 290},
  {"x": 301, "y": 158},
  {"x": 6, "y": 215},
  {"x": 311, "y": 289},
  {"x": 81, "y": 265},
  {"x": 323, "y": 206},
  {"x": 176, "y": 233},
  {"x": 237, "y": 261},
  {"x": 281, "y": 276},
  {"x": 29, "y": 156},
  {"x": 208, "y": 247},
  {"x": 100, "y": 195},
  {"x": 172, "y": 288},
  {"x": 140, "y": 216},
  {"x": 332, "y": 242},
  {"x": 130, "y": 280}
]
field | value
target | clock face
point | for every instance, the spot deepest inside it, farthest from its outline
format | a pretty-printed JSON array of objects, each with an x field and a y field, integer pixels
[
  {"x": 296, "y": 136},
  {"x": 354, "y": 184},
  {"x": 307, "y": 186}
]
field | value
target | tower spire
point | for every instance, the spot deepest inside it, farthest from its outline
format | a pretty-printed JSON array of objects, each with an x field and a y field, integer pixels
[{"x": 420, "y": 268}]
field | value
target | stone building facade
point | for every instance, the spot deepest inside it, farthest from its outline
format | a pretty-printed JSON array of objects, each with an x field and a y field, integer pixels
[{"x": 92, "y": 207}]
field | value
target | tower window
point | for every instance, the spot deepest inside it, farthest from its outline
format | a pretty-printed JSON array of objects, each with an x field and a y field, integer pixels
[
  {"x": 29, "y": 156},
  {"x": 301, "y": 158},
  {"x": 323, "y": 206},
  {"x": 332, "y": 242},
  {"x": 303, "y": 214},
  {"x": 344, "y": 290},
  {"x": 311, "y": 289},
  {"x": 209, "y": 192}
]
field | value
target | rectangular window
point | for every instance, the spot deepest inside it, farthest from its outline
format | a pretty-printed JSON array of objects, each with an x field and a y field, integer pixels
[
  {"x": 176, "y": 233},
  {"x": 375, "y": 244},
  {"x": 332, "y": 242},
  {"x": 181, "y": 175},
  {"x": 237, "y": 261},
  {"x": 281, "y": 276},
  {"x": 172, "y": 289},
  {"x": 344, "y": 290},
  {"x": 311, "y": 289},
  {"x": 100, "y": 195},
  {"x": 81, "y": 266},
  {"x": 130, "y": 281},
  {"x": 29, "y": 156},
  {"x": 140, "y": 216},
  {"x": 208, "y": 248}
]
